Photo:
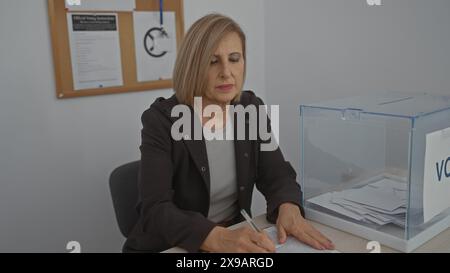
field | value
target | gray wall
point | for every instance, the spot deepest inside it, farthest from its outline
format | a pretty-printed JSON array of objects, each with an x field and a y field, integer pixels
[
  {"x": 56, "y": 155},
  {"x": 326, "y": 49}
]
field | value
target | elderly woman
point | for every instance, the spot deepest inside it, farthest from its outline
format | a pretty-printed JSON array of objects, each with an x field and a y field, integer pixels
[{"x": 191, "y": 190}]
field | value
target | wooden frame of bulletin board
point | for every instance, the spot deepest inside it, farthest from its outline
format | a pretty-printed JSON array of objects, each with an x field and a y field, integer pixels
[{"x": 61, "y": 48}]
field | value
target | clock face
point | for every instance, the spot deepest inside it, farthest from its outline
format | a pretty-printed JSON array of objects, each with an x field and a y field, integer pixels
[{"x": 154, "y": 42}]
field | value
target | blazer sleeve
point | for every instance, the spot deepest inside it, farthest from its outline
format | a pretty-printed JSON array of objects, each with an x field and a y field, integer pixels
[
  {"x": 276, "y": 179},
  {"x": 162, "y": 223}
]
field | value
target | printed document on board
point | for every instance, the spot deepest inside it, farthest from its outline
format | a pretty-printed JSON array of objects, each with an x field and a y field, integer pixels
[{"x": 95, "y": 50}]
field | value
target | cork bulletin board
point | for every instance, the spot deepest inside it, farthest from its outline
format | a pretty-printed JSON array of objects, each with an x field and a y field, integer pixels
[{"x": 61, "y": 45}]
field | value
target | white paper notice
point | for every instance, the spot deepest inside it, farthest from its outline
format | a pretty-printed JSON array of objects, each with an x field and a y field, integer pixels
[
  {"x": 436, "y": 181},
  {"x": 101, "y": 5},
  {"x": 155, "y": 52},
  {"x": 95, "y": 50}
]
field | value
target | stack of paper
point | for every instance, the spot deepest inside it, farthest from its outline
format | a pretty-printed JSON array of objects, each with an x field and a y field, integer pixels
[{"x": 378, "y": 203}]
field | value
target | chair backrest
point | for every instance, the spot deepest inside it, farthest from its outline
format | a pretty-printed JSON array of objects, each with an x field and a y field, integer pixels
[{"x": 123, "y": 184}]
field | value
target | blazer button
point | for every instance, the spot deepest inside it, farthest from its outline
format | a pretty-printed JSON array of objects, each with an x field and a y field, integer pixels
[
  {"x": 203, "y": 169},
  {"x": 245, "y": 154},
  {"x": 241, "y": 188}
]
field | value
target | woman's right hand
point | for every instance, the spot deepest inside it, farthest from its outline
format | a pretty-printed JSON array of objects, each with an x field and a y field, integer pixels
[{"x": 241, "y": 240}]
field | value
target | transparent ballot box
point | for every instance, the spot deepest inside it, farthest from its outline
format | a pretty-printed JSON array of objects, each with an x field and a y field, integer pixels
[{"x": 378, "y": 166}]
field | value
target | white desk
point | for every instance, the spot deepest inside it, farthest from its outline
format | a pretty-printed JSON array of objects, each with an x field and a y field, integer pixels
[{"x": 346, "y": 242}]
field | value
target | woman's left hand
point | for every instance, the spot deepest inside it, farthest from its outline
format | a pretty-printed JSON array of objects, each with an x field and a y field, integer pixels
[{"x": 291, "y": 222}]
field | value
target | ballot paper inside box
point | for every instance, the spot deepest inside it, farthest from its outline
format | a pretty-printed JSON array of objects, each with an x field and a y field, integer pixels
[{"x": 378, "y": 166}]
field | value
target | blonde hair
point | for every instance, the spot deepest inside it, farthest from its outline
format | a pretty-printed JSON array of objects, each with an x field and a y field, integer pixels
[{"x": 196, "y": 52}]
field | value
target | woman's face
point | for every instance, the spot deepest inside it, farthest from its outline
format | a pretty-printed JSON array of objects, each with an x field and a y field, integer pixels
[{"x": 226, "y": 71}]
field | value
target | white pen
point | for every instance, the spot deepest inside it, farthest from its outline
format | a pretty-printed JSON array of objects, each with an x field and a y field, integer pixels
[{"x": 249, "y": 220}]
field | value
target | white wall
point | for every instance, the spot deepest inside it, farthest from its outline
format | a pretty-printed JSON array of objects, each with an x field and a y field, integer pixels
[
  {"x": 324, "y": 49},
  {"x": 56, "y": 155}
]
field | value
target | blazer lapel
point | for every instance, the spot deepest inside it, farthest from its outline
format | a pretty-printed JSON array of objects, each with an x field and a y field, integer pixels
[
  {"x": 242, "y": 153},
  {"x": 196, "y": 148}
]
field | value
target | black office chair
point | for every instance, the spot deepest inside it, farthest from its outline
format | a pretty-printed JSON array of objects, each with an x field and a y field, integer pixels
[{"x": 124, "y": 192}]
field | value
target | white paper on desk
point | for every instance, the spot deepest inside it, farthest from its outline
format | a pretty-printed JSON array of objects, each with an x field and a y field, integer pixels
[
  {"x": 95, "y": 50},
  {"x": 338, "y": 200},
  {"x": 292, "y": 245},
  {"x": 373, "y": 198},
  {"x": 101, "y": 5},
  {"x": 389, "y": 184},
  {"x": 436, "y": 184},
  {"x": 155, "y": 53},
  {"x": 359, "y": 209},
  {"x": 324, "y": 201}
]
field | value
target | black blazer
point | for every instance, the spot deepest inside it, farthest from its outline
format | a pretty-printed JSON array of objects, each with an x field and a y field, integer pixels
[{"x": 174, "y": 182}]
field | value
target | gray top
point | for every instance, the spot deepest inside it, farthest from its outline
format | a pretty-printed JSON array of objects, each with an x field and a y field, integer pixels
[{"x": 222, "y": 169}]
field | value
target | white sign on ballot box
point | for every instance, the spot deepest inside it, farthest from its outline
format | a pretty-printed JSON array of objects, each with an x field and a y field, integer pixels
[{"x": 436, "y": 181}]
